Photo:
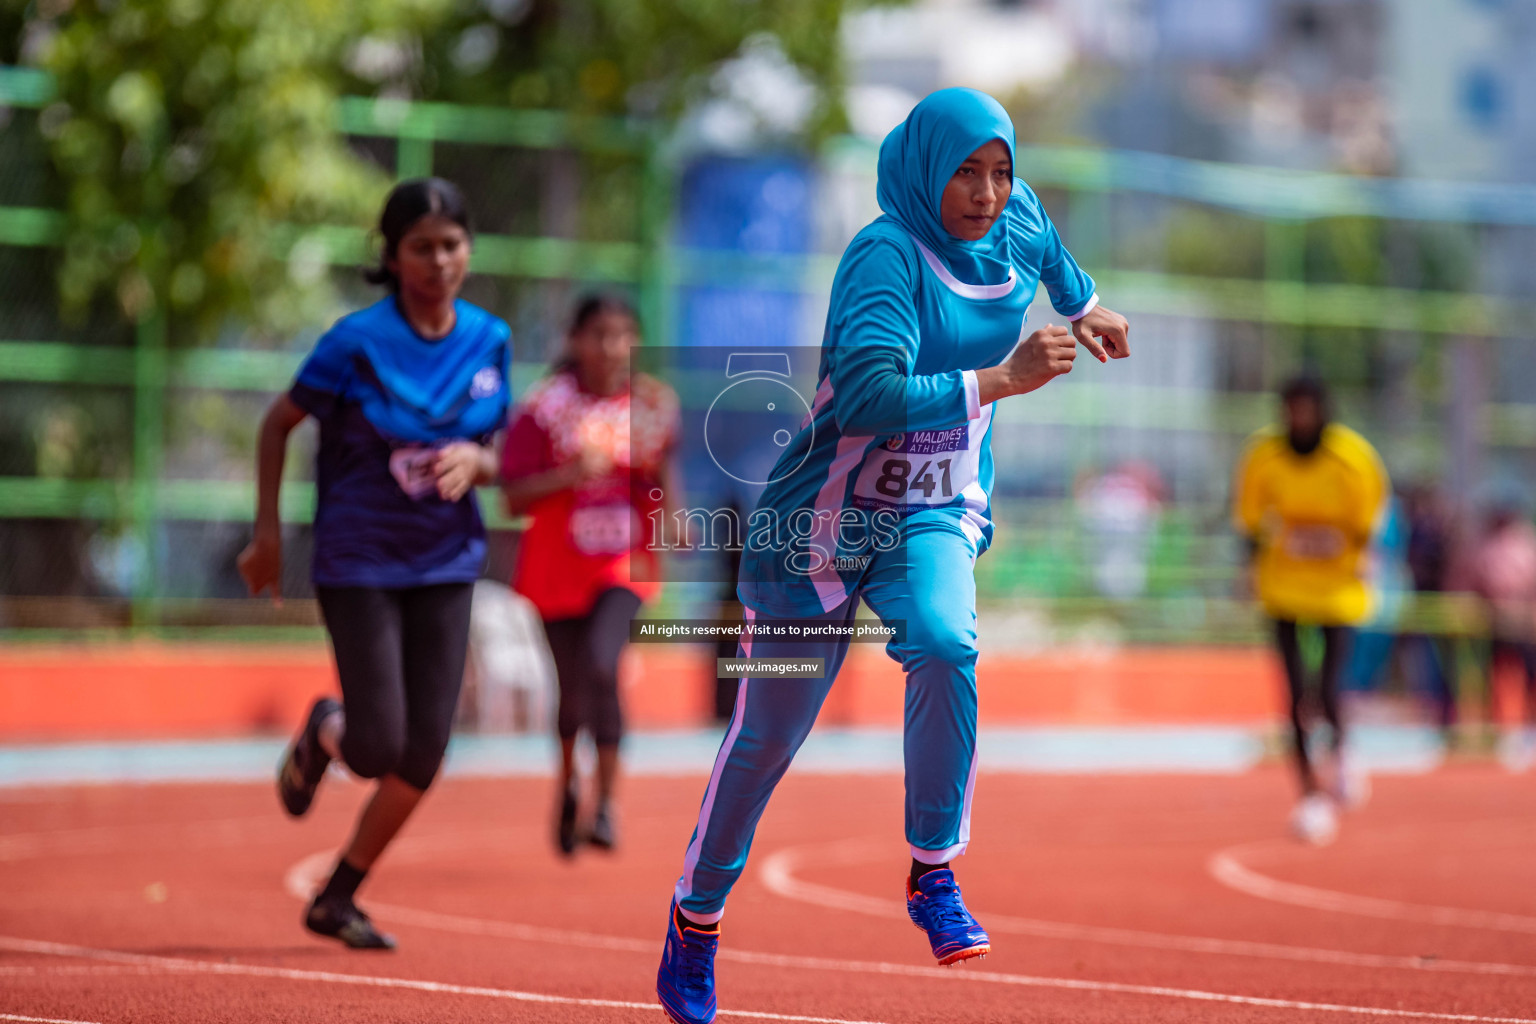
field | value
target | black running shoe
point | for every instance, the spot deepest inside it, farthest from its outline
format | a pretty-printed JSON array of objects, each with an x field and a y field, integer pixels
[
  {"x": 602, "y": 833},
  {"x": 340, "y": 919},
  {"x": 304, "y": 765},
  {"x": 565, "y": 827}
]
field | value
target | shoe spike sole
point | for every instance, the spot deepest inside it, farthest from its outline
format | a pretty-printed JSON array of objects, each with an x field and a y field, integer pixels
[{"x": 974, "y": 953}]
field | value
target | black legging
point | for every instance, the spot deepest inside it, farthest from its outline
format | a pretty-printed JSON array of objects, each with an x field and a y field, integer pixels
[
  {"x": 586, "y": 652},
  {"x": 1336, "y": 641},
  {"x": 400, "y": 656}
]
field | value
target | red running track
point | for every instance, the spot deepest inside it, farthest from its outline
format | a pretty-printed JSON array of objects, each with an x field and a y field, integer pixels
[{"x": 1110, "y": 899}]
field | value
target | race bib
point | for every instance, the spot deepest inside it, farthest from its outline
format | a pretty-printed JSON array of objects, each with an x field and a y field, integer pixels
[
  {"x": 923, "y": 469},
  {"x": 1313, "y": 543},
  {"x": 412, "y": 470},
  {"x": 604, "y": 529}
]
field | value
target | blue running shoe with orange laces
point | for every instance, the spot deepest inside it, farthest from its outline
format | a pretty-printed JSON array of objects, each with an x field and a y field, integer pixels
[
  {"x": 935, "y": 906},
  {"x": 685, "y": 982}
]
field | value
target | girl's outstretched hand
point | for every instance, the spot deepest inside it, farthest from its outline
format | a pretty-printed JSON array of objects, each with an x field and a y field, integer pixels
[{"x": 1100, "y": 322}]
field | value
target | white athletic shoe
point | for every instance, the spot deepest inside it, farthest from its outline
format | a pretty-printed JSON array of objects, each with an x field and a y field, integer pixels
[
  {"x": 1351, "y": 784},
  {"x": 1315, "y": 821}
]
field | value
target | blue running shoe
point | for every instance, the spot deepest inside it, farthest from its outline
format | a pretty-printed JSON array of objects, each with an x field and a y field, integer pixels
[
  {"x": 685, "y": 982},
  {"x": 935, "y": 906}
]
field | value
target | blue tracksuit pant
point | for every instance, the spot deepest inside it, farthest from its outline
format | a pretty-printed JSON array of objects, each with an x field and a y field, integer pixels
[{"x": 927, "y": 582}]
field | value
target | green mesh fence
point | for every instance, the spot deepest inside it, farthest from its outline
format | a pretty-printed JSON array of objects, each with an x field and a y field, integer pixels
[{"x": 125, "y": 481}]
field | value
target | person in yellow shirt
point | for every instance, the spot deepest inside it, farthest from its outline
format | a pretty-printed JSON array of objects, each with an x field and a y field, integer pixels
[{"x": 1309, "y": 497}]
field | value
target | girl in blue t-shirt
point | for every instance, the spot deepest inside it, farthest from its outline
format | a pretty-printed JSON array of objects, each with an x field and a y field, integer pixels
[{"x": 408, "y": 394}]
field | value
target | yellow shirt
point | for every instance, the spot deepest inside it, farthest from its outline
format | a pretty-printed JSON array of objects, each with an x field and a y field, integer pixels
[{"x": 1313, "y": 518}]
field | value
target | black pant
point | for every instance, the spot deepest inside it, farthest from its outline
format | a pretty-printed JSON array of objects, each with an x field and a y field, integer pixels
[
  {"x": 1336, "y": 642},
  {"x": 586, "y": 652},
  {"x": 400, "y": 656}
]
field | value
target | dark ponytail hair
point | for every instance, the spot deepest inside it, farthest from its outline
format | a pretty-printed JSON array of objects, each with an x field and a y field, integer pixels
[
  {"x": 588, "y": 308},
  {"x": 595, "y": 305},
  {"x": 408, "y": 202}
]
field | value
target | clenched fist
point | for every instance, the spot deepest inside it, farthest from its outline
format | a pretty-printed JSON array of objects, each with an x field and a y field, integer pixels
[
  {"x": 1040, "y": 358},
  {"x": 457, "y": 467},
  {"x": 261, "y": 563},
  {"x": 1049, "y": 352}
]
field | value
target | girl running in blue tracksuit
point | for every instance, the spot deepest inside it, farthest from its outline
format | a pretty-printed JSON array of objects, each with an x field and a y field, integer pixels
[{"x": 884, "y": 495}]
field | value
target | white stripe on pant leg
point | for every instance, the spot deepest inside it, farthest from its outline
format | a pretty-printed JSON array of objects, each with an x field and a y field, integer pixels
[
  {"x": 951, "y": 852},
  {"x": 830, "y": 501},
  {"x": 970, "y": 791},
  {"x": 691, "y": 860}
]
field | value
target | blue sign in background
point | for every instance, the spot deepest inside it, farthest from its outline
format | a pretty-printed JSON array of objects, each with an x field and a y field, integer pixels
[
  {"x": 740, "y": 208},
  {"x": 757, "y": 206}
]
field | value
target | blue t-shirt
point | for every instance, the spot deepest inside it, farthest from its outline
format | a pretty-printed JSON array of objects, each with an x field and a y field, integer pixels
[{"x": 386, "y": 398}]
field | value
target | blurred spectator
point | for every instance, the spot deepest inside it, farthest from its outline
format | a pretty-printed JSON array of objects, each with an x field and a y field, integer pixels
[
  {"x": 1429, "y": 537},
  {"x": 1120, "y": 512},
  {"x": 509, "y": 676},
  {"x": 1426, "y": 659},
  {"x": 1502, "y": 571},
  {"x": 1370, "y": 654}
]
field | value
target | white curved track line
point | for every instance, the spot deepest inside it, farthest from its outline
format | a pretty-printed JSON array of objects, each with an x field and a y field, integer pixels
[
  {"x": 778, "y": 874},
  {"x": 43, "y": 1020},
  {"x": 533, "y": 933},
  {"x": 20, "y": 945},
  {"x": 1226, "y": 868}
]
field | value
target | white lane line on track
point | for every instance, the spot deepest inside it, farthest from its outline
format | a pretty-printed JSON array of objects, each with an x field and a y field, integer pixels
[
  {"x": 531, "y": 933},
  {"x": 53, "y": 970},
  {"x": 299, "y": 883},
  {"x": 20, "y": 945},
  {"x": 778, "y": 873},
  {"x": 986, "y": 977},
  {"x": 43, "y": 1020},
  {"x": 1227, "y": 868}
]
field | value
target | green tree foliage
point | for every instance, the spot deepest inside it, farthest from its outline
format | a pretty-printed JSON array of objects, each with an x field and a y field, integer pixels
[
  {"x": 646, "y": 57},
  {"x": 12, "y": 25},
  {"x": 191, "y": 135},
  {"x": 186, "y": 133}
]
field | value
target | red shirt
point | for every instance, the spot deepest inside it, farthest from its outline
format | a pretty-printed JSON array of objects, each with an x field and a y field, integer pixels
[{"x": 598, "y": 535}]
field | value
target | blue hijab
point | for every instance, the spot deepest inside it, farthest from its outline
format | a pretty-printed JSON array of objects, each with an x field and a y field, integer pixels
[{"x": 917, "y": 160}]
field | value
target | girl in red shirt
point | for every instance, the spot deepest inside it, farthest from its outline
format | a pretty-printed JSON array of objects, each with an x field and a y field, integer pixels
[{"x": 586, "y": 459}]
